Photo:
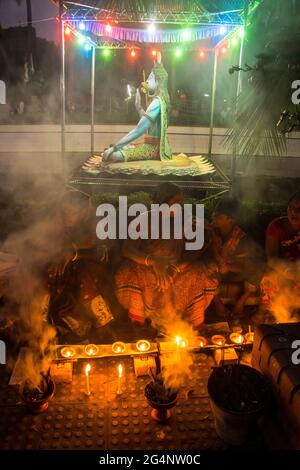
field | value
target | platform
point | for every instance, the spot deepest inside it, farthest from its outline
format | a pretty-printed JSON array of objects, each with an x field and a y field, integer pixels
[{"x": 186, "y": 171}]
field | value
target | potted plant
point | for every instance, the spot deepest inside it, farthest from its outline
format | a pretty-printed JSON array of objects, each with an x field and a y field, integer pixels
[
  {"x": 159, "y": 396},
  {"x": 37, "y": 397}
]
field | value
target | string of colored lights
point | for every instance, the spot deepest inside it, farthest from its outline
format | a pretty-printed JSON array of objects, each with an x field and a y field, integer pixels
[{"x": 107, "y": 46}]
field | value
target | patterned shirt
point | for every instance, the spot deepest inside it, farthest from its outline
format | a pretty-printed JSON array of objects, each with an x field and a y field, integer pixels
[{"x": 289, "y": 246}]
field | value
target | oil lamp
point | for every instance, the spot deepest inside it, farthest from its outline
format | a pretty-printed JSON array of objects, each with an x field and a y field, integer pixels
[
  {"x": 67, "y": 352},
  {"x": 236, "y": 338},
  {"x": 201, "y": 342},
  {"x": 218, "y": 340},
  {"x": 91, "y": 350},
  {"x": 118, "y": 347},
  {"x": 143, "y": 345}
]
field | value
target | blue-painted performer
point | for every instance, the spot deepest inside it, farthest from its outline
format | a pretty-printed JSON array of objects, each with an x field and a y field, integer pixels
[{"x": 153, "y": 123}]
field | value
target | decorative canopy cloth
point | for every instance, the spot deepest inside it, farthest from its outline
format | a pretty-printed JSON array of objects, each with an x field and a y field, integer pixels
[{"x": 157, "y": 36}]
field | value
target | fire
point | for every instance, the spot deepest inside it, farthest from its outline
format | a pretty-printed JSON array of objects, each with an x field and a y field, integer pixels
[
  {"x": 218, "y": 340},
  {"x": 237, "y": 338},
  {"x": 87, "y": 369},
  {"x": 143, "y": 345},
  {"x": 67, "y": 352},
  {"x": 91, "y": 350},
  {"x": 118, "y": 347},
  {"x": 202, "y": 341},
  {"x": 180, "y": 342},
  {"x": 120, "y": 371}
]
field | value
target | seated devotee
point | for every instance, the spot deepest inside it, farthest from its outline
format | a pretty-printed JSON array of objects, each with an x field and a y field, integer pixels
[
  {"x": 238, "y": 259},
  {"x": 81, "y": 292},
  {"x": 159, "y": 279},
  {"x": 281, "y": 283}
]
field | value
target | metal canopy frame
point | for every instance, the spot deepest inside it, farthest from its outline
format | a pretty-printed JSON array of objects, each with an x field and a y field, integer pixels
[
  {"x": 195, "y": 14},
  {"x": 82, "y": 12}
]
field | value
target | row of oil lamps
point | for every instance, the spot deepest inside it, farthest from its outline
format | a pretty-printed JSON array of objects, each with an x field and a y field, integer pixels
[
  {"x": 144, "y": 346},
  {"x": 117, "y": 348}
]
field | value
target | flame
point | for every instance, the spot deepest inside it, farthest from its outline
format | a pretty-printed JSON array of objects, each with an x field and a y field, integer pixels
[
  {"x": 143, "y": 345},
  {"x": 118, "y": 347},
  {"x": 237, "y": 338},
  {"x": 120, "y": 370},
  {"x": 218, "y": 340},
  {"x": 87, "y": 369},
  {"x": 67, "y": 352},
  {"x": 180, "y": 342}
]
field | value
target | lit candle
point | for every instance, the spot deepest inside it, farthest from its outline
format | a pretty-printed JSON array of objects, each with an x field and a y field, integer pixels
[
  {"x": 118, "y": 347},
  {"x": 120, "y": 374},
  {"x": 67, "y": 352},
  {"x": 87, "y": 371},
  {"x": 91, "y": 350},
  {"x": 143, "y": 345}
]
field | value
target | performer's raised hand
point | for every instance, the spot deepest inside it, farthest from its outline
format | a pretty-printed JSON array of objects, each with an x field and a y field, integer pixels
[{"x": 138, "y": 101}]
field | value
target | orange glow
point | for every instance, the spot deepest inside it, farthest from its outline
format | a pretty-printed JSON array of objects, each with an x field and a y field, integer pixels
[
  {"x": 118, "y": 347},
  {"x": 237, "y": 338},
  {"x": 249, "y": 337},
  {"x": 108, "y": 28},
  {"x": 87, "y": 369},
  {"x": 154, "y": 53},
  {"x": 120, "y": 371},
  {"x": 202, "y": 342},
  {"x": 67, "y": 31},
  {"x": 67, "y": 352},
  {"x": 133, "y": 53},
  {"x": 224, "y": 50},
  {"x": 91, "y": 350},
  {"x": 143, "y": 345},
  {"x": 180, "y": 342},
  {"x": 218, "y": 340},
  {"x": 201, "y": 54}
]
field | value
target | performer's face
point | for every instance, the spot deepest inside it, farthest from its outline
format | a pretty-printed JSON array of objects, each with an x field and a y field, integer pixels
[
  {"x": 294, "y": 213},
  {"x": 152, "y": 83}
]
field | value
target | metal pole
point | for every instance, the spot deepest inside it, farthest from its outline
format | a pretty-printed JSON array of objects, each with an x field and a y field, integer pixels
[
  {"x": 238, "y": 91},
  {"x": 62, "y": 86},
  {"x": 93, "y": 101},
  {"x": 212, "y": 109}
]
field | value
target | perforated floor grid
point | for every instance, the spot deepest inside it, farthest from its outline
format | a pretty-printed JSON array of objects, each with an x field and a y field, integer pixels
[{"x": 107, "y": 421}]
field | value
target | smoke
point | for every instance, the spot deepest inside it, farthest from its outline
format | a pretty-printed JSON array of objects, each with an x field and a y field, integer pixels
[
  {"x": 176, "y": 366},
  {"x": 285, "y": 303},
  {"x": 31, "y": 250}
]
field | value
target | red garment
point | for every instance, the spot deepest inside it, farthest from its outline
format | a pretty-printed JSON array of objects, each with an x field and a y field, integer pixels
[{"x": 289, "y": 245}]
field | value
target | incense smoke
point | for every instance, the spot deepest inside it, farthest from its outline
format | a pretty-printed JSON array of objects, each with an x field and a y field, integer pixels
[{"x": 176, "y": 367}]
